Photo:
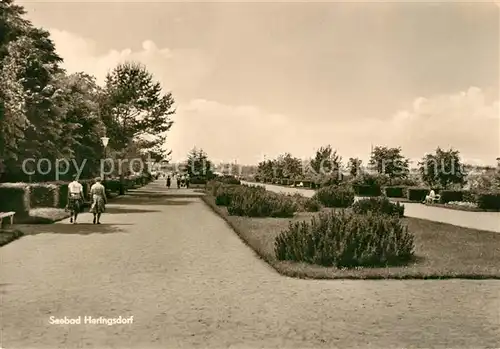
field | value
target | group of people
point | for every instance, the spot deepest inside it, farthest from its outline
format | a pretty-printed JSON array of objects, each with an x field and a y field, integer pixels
[
  {"x": 76, "y": 199},
  {"x": 182, "y": 181}
]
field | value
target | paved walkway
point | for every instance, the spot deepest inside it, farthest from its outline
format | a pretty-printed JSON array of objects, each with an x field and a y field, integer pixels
[
  {"x": 489, "y": 221},
  {"x": 189, "y": 282}
]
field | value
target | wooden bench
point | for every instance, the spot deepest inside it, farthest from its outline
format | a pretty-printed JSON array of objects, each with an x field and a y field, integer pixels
[{"x": 5, "y": 215}]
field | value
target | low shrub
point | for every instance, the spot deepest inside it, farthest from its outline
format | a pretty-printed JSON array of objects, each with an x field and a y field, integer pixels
[
  {"x": 346, "y": 240},
  {"x": 378, "y": 205},
  {"x": 489, "y": 201},
  {"x": 335, "y": 196},
  {"x": 15, "y": 197},
  {"x": 258, "y": 203},
  {"x": 227, "y": 179},
  {"x": 417, "y": 194},
  {"x": 224, "y": 195},
  {"x": 450, "y": 195},
  {"x": 334, "y": 179},
  {"x": 305, "y": 204},
  {"x": 371, "y": 180},
  {"x": 395, "y": 192},
  {"x": 44, "y": 195}
]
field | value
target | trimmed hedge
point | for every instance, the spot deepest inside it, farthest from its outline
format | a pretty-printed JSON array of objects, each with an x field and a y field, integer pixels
[
  {"x": 489, "y": 201},
  {"x": 346, "y": 240},
  {"x": 395, "y": 192},
  {"x": 112, "y": 185},
  {"x": 451, "y": 195},
  {"x": 367, "y": 190},
  {"x": 44, "y": 195},
  {"x": 417, "y": 194},
  {"x": 15, "y": 197},
  {"x": 63, "y": 195}
]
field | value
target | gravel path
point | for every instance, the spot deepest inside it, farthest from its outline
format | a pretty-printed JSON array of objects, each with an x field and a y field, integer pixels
[
  {"x": 489, "y": 221},
  {"x": 189, "y": 282}
]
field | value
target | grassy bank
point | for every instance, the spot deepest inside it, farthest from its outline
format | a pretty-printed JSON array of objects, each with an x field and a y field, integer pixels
[
  {"x": 442, "y": 251},
  {"x": 7, "y": 236}
]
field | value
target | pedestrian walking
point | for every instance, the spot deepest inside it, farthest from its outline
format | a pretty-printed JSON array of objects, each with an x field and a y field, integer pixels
[
  {"x": 75, "y": 199},
  {"x": 98, "y": 194},
  {"x": 168, "y": 182}
]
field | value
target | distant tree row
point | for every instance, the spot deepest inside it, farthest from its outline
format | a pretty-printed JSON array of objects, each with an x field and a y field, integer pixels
[{"x": 442, "y": 168}]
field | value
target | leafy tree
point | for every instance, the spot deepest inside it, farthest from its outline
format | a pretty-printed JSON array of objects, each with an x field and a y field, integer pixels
[
  {"x": 77, "y": 96},
  {"x": 327, "y": 166},
  {"x": 135, "y": 106},
  {"x": 198, "y": 164},
  {"x": 390, "y": 162},
  {"x": 265, "y": 169},
  {"x": 292, "y": 166},
  {"x": 354, "y": 166},
  {"x": 13, "y": 118},
  {"x": 31, "y": 122},
  {"x": 442, "y": 168}
]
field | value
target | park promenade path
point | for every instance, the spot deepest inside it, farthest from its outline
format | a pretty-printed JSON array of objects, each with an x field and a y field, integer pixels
[
  {"x": 489, "y": 221},
  {"x": 189, "y": 282}
]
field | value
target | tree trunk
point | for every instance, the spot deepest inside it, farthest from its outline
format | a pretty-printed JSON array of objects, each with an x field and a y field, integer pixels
[{"x": 122, "y": 184}]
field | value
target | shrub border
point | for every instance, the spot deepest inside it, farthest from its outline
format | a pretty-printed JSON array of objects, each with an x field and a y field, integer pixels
[{"x": 209, "y": 200}]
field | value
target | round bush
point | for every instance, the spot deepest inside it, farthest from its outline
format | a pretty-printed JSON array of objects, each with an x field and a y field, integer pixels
[
  {"x": 378, "y": 205},
  {"x": 224, "y": 194},
  {"x": 347, "y": 240},
  {"x": 335, "y": 196},
  {"x": 258, "y": 203},
  {"x": 305, "y": 204},
  {"x": 227, "y": 179}
]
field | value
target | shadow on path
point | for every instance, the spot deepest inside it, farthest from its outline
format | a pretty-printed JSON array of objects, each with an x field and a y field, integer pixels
[
  {"x": 82, "y": 228},
  {"x": 151, "y": 200},
  {"x": 123, "y": 210}
]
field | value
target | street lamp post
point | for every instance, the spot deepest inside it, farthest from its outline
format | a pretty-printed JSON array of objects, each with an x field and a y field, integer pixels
[{"x": 105, "y": 141}]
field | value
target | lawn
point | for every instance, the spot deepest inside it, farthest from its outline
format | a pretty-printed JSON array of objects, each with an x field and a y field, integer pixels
[{"x": 442, "y": 250}]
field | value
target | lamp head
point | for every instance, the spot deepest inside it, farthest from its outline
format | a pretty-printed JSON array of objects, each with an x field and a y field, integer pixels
[{"x": 105, "y": 141}]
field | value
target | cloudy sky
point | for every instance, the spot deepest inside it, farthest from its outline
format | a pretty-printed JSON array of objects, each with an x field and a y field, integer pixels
[{"x": 255, "y": 79}]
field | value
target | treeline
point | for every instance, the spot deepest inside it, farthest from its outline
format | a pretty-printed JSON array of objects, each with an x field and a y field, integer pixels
[
  {"x": 443, "y": 168},
  {"x": 46, "y": 113}
]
